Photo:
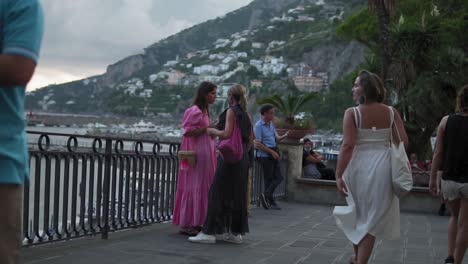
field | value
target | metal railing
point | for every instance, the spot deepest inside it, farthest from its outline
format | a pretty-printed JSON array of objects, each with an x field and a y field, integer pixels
[
  {"x": 116, "y": 184},
  {"x": 257, "y": 183},
  {"x": 88, "y": 185}
]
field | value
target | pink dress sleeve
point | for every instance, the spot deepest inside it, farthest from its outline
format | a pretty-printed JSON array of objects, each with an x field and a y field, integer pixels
[{"x": 193, "y": 119}]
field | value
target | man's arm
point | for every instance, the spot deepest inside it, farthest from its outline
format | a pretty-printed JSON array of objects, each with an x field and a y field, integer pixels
[
  {"x": 22, "y": 30},
  {"x": 259, "y": 145},
  {"x": 279, "y": 138},
  {"x": 437, "y": 158},
  {"x": 314, "y": 158},
  {"x": 15, "y": 70}
]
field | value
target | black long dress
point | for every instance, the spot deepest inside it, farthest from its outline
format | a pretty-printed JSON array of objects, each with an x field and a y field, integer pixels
[{"x": 227, "y": 199}]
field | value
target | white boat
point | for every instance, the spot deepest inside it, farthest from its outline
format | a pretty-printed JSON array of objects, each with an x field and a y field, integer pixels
[{"x": 143, "y": 127}]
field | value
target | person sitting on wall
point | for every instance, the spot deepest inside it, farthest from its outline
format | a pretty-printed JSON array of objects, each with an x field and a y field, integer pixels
[
  {"x": 419, "y": 165},
  {"x": 419, "y": 171},
  {"x": 312, "y": 163}
]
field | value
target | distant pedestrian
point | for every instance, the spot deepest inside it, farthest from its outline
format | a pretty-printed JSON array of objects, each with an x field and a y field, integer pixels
[
  {"x": 227, "y": 204},
  {"x": 363, "y": 171},
  {"x": 21, "y": 28},
  {"x": 195, "y": 180},
  {"x": 451, "y": 158},
  {"x": 266, "y": 143}
]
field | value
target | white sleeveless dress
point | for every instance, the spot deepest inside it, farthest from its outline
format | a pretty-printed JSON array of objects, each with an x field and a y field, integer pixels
[{"x": 372, "y": 208}]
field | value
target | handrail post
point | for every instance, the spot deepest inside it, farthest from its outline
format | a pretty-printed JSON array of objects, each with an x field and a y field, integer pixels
[{"x": 106, "y": 188}]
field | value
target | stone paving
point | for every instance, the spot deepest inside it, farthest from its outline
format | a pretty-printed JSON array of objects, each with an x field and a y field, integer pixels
[{"x": 299, "y": 233}]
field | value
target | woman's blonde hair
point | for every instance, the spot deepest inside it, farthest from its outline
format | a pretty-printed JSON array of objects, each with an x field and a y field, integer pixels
[
  {"x": 462, "y": 100},
  {"x": 238, "y": 92}
]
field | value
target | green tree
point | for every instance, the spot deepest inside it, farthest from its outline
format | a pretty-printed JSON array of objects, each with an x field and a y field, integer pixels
[
  {"x": 289, "y": 106},
  {"x": 429, "y": 61},
  {"x": 253, "y": 73},
  {"x": 383, "y": 9}
]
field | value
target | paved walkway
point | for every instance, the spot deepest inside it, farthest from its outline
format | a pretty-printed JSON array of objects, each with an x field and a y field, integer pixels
[{"x": 297, "y": 234}]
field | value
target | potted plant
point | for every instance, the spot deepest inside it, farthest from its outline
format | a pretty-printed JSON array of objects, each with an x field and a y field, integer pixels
[{"x": 292, "y": 118}]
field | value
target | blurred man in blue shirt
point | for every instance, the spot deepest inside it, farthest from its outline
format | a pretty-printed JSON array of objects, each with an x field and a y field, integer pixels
[
  {"x": 21, "y": 28},
  {"x": 268, "y": 154}
]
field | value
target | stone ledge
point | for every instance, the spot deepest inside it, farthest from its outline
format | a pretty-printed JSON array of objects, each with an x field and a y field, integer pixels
[
  {"x": 333, "y": 183},
  {"x": 324, "y": 192},
  {"x": 316, "y": 181}
]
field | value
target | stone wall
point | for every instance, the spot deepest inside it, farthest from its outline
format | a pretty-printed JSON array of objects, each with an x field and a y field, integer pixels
[{"x": 325, "y": 192}]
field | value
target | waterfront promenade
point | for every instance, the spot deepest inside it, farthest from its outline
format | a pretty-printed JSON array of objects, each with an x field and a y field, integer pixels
[{"x": 300, "y": 233}]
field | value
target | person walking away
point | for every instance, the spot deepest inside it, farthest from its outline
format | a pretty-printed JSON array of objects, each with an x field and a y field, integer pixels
[
  {"x": 363, "y": 172},
  {"x": 451, "y": 158}
]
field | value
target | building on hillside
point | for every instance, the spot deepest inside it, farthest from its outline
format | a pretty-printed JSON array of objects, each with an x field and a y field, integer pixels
[
  {"x": 337, "y": 17},
  {"x": 257, "y": 64},
  {"x": 159, "y": 76},
  {"x": 283, "y": 18},
  {"x": 276, "y": 43},
  {"x": 130, "y": 90},
  {"x": 209, "y": 78},
  {"x": 223, "y": 67},
  {"x": 190, "y": 80},
  {"x": 174, "y": 77},
  {"x": 257, "y": 45},
  {"x": 223, "y": 89},
  {"x": 242, "y": 54},
  {"x": 237, "y": 42},
  {"x": 309, "y": 83},
  {"x": 273, "y": 68},
  {"x": 229, "y": 59},
  {"x": 305, "y": 18},
  {"x": 206, "y": 69},
  {"x": 301, "y": 69},
  {"x": 191, "y": 54},
  {"x": 146, "y": 93},
  {"x": 217, "y": 56},
  {"x": 256, "y": 83},
  {"x": 221, "y": 43},
  {"x": 172, "y": 62},
  {"x": 324, "y": 76}
]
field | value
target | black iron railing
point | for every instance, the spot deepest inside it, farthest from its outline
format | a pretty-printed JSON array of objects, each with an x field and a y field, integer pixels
[
  {"x": 86, "y": 185},
  {"x": 83, "y": 185},
  {"x": 257, "y": 183}
]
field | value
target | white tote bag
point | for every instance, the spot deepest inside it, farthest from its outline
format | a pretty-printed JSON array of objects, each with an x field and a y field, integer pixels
[{"x": 402, "y": 180}]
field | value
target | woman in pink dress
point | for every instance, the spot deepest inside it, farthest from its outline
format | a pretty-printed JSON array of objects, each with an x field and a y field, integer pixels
[{"x": 194, "y": 182}]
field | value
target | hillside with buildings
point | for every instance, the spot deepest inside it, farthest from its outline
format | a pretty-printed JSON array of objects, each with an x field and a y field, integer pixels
[{"x": 268, "y": 46}]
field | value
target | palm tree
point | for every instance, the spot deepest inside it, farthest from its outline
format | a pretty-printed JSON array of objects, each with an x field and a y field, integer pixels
[
  {"x": 383, "y": 10},
  {"x": 289, "y": 106}
]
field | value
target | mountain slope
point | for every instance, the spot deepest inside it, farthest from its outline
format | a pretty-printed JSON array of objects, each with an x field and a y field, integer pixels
[{"x": 288, "y": 33}]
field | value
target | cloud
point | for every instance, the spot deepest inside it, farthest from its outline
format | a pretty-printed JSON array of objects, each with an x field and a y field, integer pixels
[
  {"x": 83, "y": 37},
  {"x": 42, "y": 77}
]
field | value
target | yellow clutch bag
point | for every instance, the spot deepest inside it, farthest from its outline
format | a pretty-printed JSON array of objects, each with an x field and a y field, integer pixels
[{"x": 188, "y": 156}]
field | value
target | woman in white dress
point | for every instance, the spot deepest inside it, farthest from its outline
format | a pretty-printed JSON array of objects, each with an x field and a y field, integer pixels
[{"x": 363, "y": 171}]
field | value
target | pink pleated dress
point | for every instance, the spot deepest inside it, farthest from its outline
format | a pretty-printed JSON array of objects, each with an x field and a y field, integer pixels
[{"x": 194, "y": 182}]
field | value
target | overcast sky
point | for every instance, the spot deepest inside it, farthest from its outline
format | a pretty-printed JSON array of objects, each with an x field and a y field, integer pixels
[{"x": 82, "y": 37}]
